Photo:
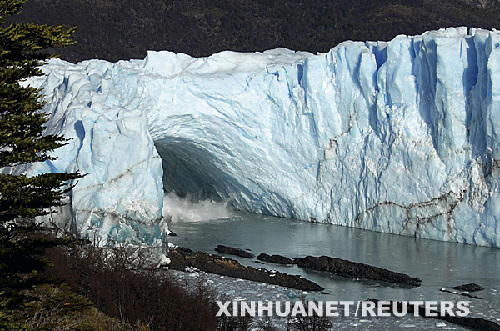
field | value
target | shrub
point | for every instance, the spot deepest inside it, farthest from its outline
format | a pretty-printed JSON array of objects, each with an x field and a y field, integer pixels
[{"x": 133, "y": 293}]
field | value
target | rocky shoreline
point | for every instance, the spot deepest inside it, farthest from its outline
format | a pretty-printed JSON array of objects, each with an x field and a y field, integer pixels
[
  {"x": 185, "y": 257},
  {"x": 234, "y": 251},
  {"x": 182, "y": 258},
  {"x": 348, "y": 269},
  {"x": 344, "y": 268}
]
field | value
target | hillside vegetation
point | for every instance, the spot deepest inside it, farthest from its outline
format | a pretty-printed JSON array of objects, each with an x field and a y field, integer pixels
[{"x": 124, "y": 29}]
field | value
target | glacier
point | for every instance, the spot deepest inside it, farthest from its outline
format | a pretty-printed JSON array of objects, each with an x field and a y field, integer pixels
[{"x": 399, "y": 137}]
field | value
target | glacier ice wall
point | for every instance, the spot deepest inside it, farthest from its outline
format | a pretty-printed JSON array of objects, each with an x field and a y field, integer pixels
[{"x": 399, "y": 137}]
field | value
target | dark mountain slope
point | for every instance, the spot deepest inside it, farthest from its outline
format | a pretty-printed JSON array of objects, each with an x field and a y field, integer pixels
[{"x": 123, "y": 29}]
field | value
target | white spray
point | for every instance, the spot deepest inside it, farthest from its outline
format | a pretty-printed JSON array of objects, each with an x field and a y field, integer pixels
[{"x": 184, "y": 210}]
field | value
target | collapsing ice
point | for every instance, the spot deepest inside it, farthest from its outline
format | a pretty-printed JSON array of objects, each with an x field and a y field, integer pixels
[
  {"x": 399, "y": 137},
  {"x": 177, "y": 209}
]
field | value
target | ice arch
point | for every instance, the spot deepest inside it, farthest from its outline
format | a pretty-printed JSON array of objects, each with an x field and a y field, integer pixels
[{"x": 398, "y": 137}]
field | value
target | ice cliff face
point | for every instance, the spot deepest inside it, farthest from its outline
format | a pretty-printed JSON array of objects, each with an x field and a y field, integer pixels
[{"x": 399, "y": 137}]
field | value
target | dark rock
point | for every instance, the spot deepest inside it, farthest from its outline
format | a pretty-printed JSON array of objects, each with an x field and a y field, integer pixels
[
  {"x": 345, "y": 268},
  {"x": 471, "y": 287},
  {"x": 275, "y": 259},
  {"x": 182, "y": 258},
  {"x": 475, "y": 323},
  {"x": 234, "y": 251},
  {"x": 172, "y": 234}
]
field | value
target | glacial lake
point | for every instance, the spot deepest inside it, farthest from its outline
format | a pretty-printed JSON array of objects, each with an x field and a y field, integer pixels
[{"x": 437, "y": 264}]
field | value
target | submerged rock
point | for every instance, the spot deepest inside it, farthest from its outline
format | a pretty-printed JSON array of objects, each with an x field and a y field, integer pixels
[
  {"x": 345, "y": 268},
  {"x": 465, "y": 294}
]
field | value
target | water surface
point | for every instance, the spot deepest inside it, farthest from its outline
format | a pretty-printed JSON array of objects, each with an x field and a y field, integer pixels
[{"x": 437, "y": 264}]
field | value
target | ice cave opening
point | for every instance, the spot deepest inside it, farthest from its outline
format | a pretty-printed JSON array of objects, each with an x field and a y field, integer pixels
[
  {"x": 196, "y": 189},
  {"x": 193, "y": 172}
]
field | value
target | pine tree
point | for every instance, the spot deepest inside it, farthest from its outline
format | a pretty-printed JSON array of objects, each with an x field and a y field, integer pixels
[{"x": 23, "y": 47}]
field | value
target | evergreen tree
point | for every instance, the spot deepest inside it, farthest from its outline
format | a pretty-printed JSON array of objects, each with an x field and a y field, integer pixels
[{"x": 23, "y": 47}]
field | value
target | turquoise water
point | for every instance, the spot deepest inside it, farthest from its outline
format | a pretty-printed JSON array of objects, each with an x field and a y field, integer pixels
[{"x": 437, "y": 264}]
